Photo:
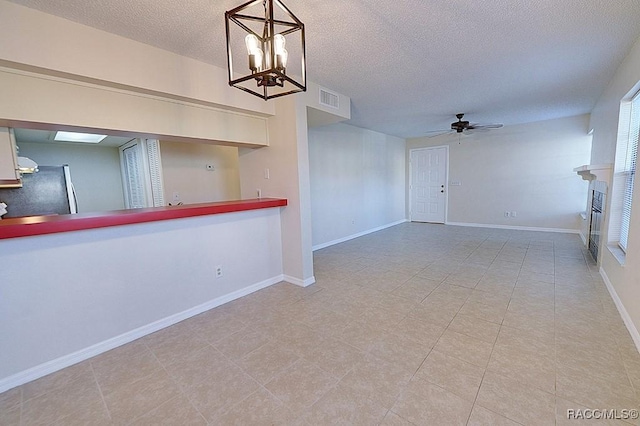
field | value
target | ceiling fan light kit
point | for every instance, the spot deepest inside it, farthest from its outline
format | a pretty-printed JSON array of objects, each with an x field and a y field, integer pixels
[
  {"x": 461, "y": 126},
  {"x": 266, "y": 38}
]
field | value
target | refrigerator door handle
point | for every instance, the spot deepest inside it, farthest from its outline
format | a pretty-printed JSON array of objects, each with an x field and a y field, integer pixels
[
  {"x": 74, "y": 206},
  {"x": 71, "y": 191}
]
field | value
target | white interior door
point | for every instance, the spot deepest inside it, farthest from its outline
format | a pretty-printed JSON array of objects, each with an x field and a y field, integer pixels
[{"x": 428, "y": 186}]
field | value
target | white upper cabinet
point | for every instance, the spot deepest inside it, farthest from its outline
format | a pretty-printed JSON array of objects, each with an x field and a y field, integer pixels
[{"x": 9, "y": 175}]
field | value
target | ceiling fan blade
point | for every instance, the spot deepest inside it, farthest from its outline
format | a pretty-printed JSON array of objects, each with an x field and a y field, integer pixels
[
  {"x": 466, "y": 127},
  {"x": 485, "y": 126},
  {"x": 438, "y": 131}
]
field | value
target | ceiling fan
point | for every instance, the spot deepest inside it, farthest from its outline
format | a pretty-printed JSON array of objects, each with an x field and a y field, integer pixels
[{"x": 462, "y": 126}]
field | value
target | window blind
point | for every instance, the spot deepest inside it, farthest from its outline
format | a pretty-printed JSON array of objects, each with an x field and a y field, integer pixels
[
  {"x": 155, "y": 172},
  {"x": 629, "y": 170},
  {"x": 133, "y": 180}
]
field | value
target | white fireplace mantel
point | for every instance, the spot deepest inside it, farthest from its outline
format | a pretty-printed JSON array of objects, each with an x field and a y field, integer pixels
[{"x": 593, "y": 172}]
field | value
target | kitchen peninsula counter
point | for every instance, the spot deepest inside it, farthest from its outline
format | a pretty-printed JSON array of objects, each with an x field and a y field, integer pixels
[
  {"x": 68, "y": 296},
  {"x": 40, "y": 225}
]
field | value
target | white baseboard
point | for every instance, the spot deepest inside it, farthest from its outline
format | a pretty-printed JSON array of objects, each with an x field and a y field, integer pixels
[
  {"x": 86, "y": 353},
  {"x": 635, "y": 335},
  {"x": 583, "y": 237},
  {"x": 515, "y": 228},
  {"x": 359, "y": 234},
  {"x": 297, "y": 281}
]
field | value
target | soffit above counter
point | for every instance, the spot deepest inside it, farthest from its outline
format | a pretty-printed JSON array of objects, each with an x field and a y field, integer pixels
[
  {"x": 35, "y": 40},
  {"x": 31, "y": 100}
]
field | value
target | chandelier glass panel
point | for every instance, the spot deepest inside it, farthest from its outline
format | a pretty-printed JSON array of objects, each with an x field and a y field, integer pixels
[{"x": 265, "y": 42}]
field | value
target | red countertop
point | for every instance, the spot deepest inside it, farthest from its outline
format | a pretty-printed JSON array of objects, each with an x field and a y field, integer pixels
[{"x": 40, "y": 225}]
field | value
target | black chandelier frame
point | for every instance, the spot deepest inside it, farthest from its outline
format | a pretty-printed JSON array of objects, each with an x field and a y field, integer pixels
[{"x": 272, "y": 76}]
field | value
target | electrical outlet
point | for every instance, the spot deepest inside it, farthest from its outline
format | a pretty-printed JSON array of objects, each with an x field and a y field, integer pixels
[
  {"x": 176, "y": 196},
  {"x": 267, "y": 174},
  {"x": 513, "y": 214},
  {"x": 219, "y": 271},
  {"x": 506, "y": 214}
]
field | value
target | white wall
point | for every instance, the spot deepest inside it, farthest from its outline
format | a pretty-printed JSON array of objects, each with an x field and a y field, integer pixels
[
  {"x": 63, "y": 293},
  {"x": 357, "y": 181},
  {"x": 525, "y": 168},
  {"x": 287, "y": 159},
  {"x": 95, "y": 172},
  {"x": 625, "y": 279},
  {"x": 319, "y": 114},
  {"x": 184, "y": 171}
]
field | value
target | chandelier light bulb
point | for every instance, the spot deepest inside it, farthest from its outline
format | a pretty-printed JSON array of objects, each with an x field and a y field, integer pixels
[
  {"x": 252, "y": 43},
  {"x": 281, "y": 59},
  {"x": 256, "y": 57},
  {"x": 281, "y": 53},
  {"x": 255, "y": 53},
  {"x": 278, "y": 43}
]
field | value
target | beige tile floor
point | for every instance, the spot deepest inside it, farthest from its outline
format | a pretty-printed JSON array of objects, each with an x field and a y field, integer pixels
[{"x": 417, "y": 324}]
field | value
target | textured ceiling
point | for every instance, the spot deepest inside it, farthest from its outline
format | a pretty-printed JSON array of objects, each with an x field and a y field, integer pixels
[{"x": 410, "y": 65}]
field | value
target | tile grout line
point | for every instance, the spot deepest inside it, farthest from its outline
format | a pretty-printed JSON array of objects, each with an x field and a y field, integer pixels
[
  {"x": 490, "y": 355},
  {"x": 22, "y": 405},
  {"x": 555, "y": 333},
  {"x": 261, "y": 385},
  {"x": 555, "y": 337},
  {"x": 432, "y": 349},
  {"x": 104, "y": 402},
  {"x": 175, "y": 383}
]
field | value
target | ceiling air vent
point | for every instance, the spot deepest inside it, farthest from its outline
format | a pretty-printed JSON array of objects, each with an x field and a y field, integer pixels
[{"x": 328, "y": 99}]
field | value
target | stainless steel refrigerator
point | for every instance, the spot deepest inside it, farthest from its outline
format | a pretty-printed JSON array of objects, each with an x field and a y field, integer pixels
[{"x": 48, "y": 191}]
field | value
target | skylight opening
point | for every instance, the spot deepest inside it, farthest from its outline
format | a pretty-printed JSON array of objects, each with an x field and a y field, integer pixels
[{"x": 78, "y": 137}]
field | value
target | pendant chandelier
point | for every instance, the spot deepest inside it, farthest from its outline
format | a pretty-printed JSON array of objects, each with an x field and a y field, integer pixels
[{"x": 264, "y": 38}]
